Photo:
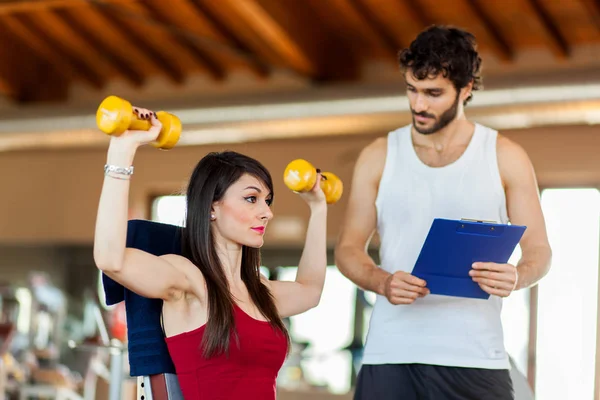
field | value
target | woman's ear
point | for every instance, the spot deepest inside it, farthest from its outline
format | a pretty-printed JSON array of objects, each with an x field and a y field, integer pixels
[{"x": 213, "y": 212}]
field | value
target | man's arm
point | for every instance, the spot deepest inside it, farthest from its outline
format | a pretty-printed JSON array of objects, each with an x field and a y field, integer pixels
[
  {"x": 524, "y": 208},
  {"x": 523, "y": 205},
  {"x": 360, "y": 223}
]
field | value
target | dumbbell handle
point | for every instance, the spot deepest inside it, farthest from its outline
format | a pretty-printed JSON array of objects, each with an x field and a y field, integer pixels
[
  {"x": 139, "y": 124},
  {"x": 135, "y": 123}
]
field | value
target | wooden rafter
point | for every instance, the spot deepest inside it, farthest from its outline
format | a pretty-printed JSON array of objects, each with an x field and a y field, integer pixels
[
  {"x": 229, "y": 45},
  {"x": 554, "y": 37},
  {"x": 333, "y": 58},
  {"x": 499, "y": 43},
  {"x": 205, "y": 31},
  {"x": 116, "y": 21},
  {"x": 418, "y": 12},
  {"x": 9, "y": 84},
  {"x": 198, "y": 54},
  {"x": 254, "y": 24},
  {"x": 317, "y": 41},
  {"x": 36, "y": 43},
  {"x": 67, "y": 38},
  {"x": 593, "y": 8},
  {"x": 88, "y": 74},
  {"x": 120, "y": 64},
  {"x": 121, "y": 45},
  {"x": 388, "y": 13},
  {"x": 390, "y": 40},
  {"x": 27, "y": 6},
  {"x": 357, "y": 10},
  {"x": 27, "y": 77}
]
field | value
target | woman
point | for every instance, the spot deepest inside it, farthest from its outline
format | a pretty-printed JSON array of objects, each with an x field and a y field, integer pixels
[{"x": 222, "y": 318}]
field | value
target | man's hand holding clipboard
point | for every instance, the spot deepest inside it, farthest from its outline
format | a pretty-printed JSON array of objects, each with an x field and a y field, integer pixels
[
  {"x": 404, "y": 288},
  {"x": 496, "y": 279},
  {"x": 466, "y": 258}
]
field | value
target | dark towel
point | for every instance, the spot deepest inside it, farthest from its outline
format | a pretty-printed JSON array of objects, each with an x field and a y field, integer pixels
[{"x": 148, "y": 353}]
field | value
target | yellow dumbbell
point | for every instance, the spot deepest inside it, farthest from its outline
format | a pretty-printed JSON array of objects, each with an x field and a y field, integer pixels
[
  {"x": 300, "y": 176},
  {"x": 115, "y": 116}
]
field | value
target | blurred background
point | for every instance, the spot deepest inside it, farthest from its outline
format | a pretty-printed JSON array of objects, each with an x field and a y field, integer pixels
[{"x": 276, "y": 80}]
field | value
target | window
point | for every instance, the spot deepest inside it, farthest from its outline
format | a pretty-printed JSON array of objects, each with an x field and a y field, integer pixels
[
  {"x": 169, "y": 210},
  {"x": 327, "y": 328},
  {"x": 515, "y": 322},
  {"x": 568, "y": 296}
]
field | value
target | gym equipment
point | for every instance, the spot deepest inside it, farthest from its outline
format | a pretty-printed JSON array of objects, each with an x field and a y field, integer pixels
[
  {"x": 115, "y": 115},
  {"x": 300, "y": 176},
  {"x": 113, "y": 374},
  {"x": 47, "y": 378}
]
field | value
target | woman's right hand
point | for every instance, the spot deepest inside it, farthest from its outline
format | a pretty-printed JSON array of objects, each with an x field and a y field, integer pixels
[
  {"x": 315, "y": 197},
  {"x": 136, "y": 138}
]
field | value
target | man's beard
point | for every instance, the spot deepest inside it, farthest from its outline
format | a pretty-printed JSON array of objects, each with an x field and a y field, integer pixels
[{"x": 446, "y": 117}]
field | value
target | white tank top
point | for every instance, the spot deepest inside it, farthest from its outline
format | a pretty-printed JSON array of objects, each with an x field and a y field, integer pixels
[{"x": 437, "y": 330}]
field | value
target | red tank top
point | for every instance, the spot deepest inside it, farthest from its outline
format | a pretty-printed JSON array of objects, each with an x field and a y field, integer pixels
[{"x": 249, "y": 372}]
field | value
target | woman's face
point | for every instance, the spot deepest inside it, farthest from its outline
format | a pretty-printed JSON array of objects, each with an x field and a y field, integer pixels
[{"x": 241, "y": 216}]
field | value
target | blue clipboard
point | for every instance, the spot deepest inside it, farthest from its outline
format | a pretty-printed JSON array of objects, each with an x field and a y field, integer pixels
[{"x": 452, "y": 246}]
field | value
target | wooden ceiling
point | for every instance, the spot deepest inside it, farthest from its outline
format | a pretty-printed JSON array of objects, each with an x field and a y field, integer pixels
[{"x": 48, "y": 45}]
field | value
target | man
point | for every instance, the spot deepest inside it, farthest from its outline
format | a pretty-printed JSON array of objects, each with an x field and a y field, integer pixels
[{"x": 424, "y": 346}]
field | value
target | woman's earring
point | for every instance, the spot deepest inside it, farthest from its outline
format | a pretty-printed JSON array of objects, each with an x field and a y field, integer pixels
[{"x": 212, "y": 217}]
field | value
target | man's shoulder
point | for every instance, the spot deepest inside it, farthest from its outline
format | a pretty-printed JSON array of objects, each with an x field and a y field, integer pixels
[
  {"x": 508, "y": 148},
  {"x": 373, "y": 155},
  {"x": 513, "y": 161},
  {"x": 371, "y": 160},
  {"x": 378, "y": 146}
]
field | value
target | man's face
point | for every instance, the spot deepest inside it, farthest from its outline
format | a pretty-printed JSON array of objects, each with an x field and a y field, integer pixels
[{"x": 434, "y": 102}]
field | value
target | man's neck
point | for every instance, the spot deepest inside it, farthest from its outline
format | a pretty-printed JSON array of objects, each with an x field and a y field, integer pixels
[{"x": 457, "y": 132}]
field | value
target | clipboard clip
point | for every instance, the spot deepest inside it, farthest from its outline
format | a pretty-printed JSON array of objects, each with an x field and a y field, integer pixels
[{"x": 481, "y": 221}]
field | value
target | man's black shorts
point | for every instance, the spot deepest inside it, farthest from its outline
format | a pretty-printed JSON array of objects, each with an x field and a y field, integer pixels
[{"x": 431, "y": 382}]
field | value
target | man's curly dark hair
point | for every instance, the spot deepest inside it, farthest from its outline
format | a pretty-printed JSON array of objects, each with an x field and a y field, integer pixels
[{"x": 446, "y": 50}]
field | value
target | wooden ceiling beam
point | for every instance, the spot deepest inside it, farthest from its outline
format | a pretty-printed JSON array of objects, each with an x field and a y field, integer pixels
[
  {"x": 418, "y": 12},
  {"x": 256, "y": 25},
  {"x": 28, "y": 6},
  {"x": 82, "y": 70},
  {"x": 499, "y": 44},
  {"x": 36, "y": 43},
  {"x": 557, "y": 42},
  {"x": 120, "y": 64},
  {"x": 362, "y": 12},
  {"x": 202, "y": 28},
  {"x": 116, "y": 21},
  {"x": 201, "y": 57},
  {"x": 67, "y": 38},
  {"x": 388, "y": 14},
  {"x": 369, "y": 13},
  {"x": 28, "y": 77},
  {"x": 593, "y": 8},
  {"x": 121, "y": 45},
  {"x": 259, "y": 68},
  {"x": 334, "y": 58},
  {"x": 9, "y": 78}
]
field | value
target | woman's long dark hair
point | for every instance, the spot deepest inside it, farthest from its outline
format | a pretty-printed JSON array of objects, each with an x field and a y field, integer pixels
[{"x": 211, "y": 178}]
